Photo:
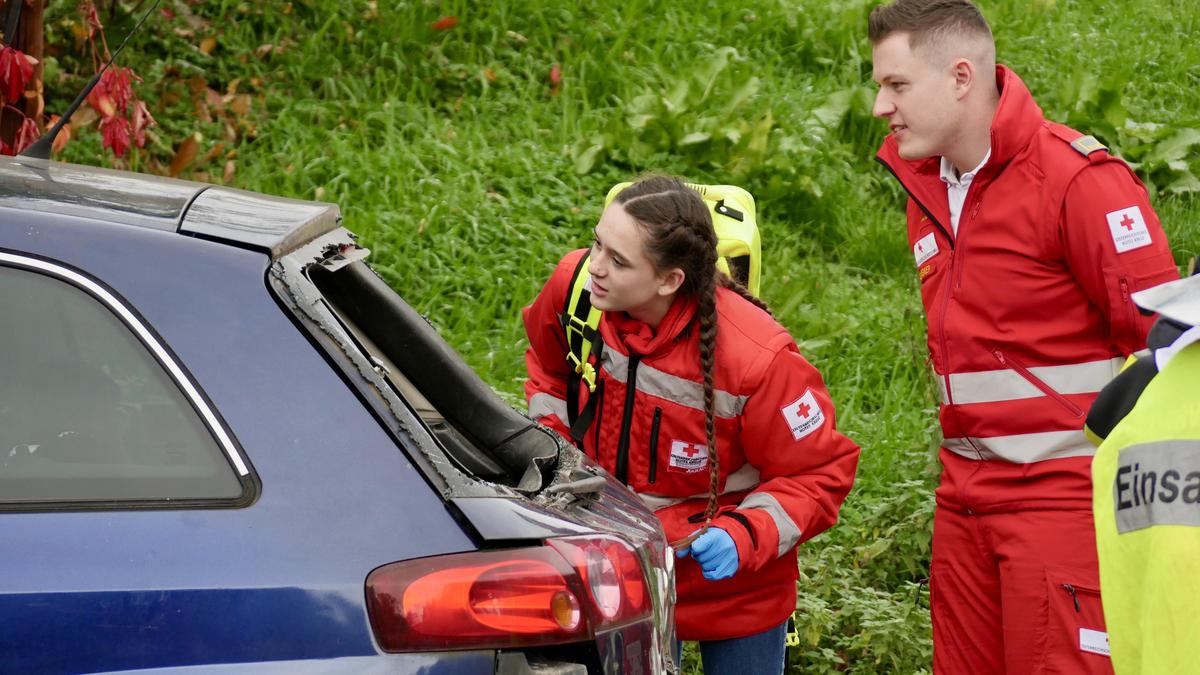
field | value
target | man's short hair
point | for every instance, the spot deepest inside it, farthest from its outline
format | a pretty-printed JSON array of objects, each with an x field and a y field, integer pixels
[{"x": 928, "y": 21}]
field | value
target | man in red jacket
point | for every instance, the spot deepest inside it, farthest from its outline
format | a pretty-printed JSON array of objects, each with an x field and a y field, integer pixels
[{"x": 1028, "y": 239}]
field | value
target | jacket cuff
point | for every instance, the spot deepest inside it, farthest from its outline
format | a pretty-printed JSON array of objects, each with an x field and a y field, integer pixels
[{"x": 740, "y": 529}]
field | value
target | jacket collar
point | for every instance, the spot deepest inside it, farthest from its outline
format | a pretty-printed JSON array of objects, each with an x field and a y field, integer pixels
[
  {"x": 639, "y": 338},
  {"x": 1017, "y": 118},
  {"x": 1015, "y": 123}
]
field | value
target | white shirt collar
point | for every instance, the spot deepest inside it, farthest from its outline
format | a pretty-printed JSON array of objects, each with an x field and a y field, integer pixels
[{"x": 950, "y": 174}]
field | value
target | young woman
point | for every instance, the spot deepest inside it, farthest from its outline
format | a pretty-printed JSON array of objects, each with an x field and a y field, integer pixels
[{"x": 706, "y": 410}]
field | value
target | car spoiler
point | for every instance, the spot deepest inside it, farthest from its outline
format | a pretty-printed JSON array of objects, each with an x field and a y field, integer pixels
[{"x": 273, "y": 225}]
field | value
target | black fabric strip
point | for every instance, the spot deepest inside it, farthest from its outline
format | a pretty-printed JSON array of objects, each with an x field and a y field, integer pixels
[
  {"x": 1119, "y": 396},
  {"x": 741, "y": 518}
]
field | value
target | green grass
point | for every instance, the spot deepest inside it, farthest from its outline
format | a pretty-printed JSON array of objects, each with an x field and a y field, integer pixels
[{"x": 468, "y": 176}]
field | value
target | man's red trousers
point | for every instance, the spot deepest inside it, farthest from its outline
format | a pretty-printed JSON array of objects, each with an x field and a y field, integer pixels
[{"x": 1016, "y": 593}]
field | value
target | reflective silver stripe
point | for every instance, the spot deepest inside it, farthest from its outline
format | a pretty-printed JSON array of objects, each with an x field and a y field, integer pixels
[
  {"x": 1155, "y": 484},
  {"x": 789, "y": 533},
  {"x": 673, "y": 388},
  {"x": 543, "y": 404},
  {"x": 1023, "y": 448},
  {"x": 148, "y": 339},
  {"x": 989, "y": 386},
  {"x": 745, "y": 478}
]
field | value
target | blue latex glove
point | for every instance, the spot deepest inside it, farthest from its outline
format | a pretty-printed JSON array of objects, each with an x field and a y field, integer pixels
[{"x": 716, "y": 553}]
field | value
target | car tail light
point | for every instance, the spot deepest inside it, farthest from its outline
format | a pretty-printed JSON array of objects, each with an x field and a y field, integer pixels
[{"x": 565, "y": 591}]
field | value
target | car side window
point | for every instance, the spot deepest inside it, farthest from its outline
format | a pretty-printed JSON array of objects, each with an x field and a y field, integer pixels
[{"x": 89, "y": 416}]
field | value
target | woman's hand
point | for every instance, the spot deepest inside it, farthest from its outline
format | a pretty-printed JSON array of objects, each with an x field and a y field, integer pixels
[{"x": 715, "y": 552}]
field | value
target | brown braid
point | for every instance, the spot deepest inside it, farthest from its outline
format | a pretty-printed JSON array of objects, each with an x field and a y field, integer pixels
[
  {"x": 706, "y": 310},
  {"x": 679, "y": 234},
  {"x": 736, "y": 286}
]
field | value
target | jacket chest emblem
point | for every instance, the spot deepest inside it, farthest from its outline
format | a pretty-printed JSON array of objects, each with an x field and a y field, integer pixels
[
  {"x": 687, "y": 457},
  {"x": 925, "y": 248}
]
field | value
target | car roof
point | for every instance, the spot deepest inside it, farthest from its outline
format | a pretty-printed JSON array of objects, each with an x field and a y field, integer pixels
[{"x": 274, "y": 225}]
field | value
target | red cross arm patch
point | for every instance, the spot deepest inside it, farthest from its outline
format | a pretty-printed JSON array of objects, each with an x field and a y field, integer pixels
[{"x": 803, "y": 416}]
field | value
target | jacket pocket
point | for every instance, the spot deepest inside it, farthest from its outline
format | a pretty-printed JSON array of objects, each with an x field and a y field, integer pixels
[
  {"x": 1075, "y": 638},
  {"x": 654, "y": 445},
  {"x": 1124, "y": 318},
  {"x": 1012, "y": 364}
]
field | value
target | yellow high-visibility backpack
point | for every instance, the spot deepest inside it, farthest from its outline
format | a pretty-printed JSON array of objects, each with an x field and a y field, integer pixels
[{"x": 739, "y": 254}]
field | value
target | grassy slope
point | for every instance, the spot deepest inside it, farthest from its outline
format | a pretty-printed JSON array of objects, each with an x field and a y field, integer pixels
[{"x": 451, "y": 157}]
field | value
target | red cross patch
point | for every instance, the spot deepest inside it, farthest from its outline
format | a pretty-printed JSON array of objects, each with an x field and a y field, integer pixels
[
  {"x": 688, "y": 457},
  {"x": 804, "y": 415},
  {"x": 1128, "y": 229}
]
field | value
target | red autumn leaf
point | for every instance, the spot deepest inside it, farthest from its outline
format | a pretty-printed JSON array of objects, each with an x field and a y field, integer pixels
[
  {"x": 103, "y": 103},
  {"x": 184, "y": 155},
  {"x": 16, "y": 69},
  {"x": 120, "y": 86},
  {"x": 167, "y": 13},
  {"x": 91, "y": 17},
  {"x": 141, "y": 120},
  {"x": 113, "y": 92},
  {"x": 64, "y": 134},
  {"x": 115, "y": 131},
  {"x": 444, "y": 23},
  {"x": 555, "y": 78},
  {"x": 27, "y": 134}
]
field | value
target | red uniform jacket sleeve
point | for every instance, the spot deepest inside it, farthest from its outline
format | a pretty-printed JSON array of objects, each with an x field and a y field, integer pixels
[
  {"x": 806, "y": 467},
  {"x": 546, "y": 357},
  {"x": 1115, "y": 246}
]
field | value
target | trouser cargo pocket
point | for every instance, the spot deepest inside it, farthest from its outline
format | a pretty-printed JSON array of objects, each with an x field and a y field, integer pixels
[{"x": 1075, "y": 638}]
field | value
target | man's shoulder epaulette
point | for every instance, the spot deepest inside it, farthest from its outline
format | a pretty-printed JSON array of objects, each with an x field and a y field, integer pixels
[{"x": 1084, "y": 144}]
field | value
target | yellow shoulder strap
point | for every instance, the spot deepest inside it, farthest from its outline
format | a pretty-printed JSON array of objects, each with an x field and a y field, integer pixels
[{"x": 580, "y": 322}]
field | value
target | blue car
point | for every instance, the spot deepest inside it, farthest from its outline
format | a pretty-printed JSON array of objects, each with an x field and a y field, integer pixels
[{"x": 227, "y": 446}]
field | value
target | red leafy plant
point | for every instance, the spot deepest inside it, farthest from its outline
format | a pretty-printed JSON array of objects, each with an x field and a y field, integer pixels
[
  {"x": 124, "y": 117},
  {"x": 16, "y": 70}
]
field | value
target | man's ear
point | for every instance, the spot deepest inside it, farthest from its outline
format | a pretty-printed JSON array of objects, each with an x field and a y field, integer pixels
[
  {"x": 964, "y": 77},
  {"x": 670, "y": 282}
]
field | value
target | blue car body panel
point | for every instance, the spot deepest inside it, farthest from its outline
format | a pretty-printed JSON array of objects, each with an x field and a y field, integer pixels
[
  {"x": 109, "y": 630},
  {"x": 207, "y": 582}
]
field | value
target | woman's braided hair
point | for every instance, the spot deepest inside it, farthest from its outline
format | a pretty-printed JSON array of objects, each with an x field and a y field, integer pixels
[{"x": 678, "y": 231}]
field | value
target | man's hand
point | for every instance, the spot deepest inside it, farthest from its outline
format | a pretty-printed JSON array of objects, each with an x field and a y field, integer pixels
[{"x": 716, "y": 553}]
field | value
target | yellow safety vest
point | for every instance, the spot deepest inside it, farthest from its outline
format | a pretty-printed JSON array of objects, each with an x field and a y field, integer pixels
[{"x": 1146, "y": 477}]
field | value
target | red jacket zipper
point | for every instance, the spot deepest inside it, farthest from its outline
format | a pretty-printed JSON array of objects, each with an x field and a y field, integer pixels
[
  {"x": 958, "y": 269},
  {"x": 1037, "y": 382},
  {"x": 952, "y": 272}
]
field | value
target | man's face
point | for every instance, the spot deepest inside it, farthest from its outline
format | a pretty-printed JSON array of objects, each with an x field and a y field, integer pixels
[{"x": 916, "y": 97}]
